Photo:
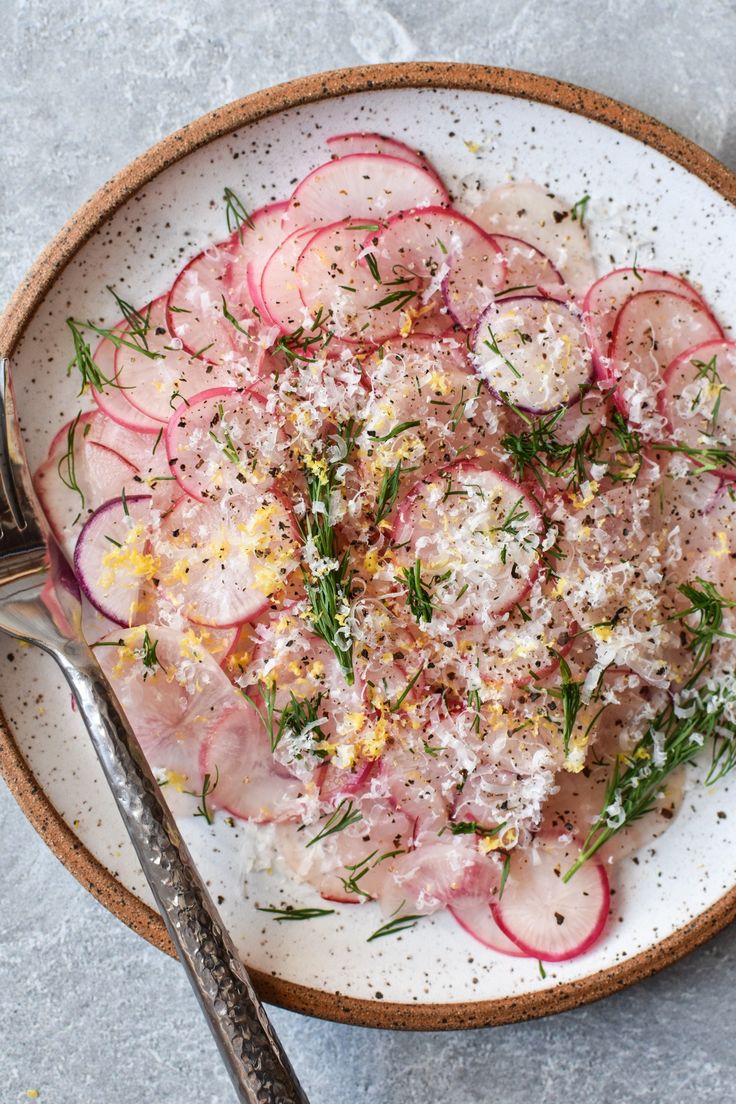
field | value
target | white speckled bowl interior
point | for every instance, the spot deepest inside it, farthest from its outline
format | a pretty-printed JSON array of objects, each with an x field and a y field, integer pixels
[{"x": 641, "y": 203}]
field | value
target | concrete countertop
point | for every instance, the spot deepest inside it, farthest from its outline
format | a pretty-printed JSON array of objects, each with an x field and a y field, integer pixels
[{"x": 89, "y": 1013}]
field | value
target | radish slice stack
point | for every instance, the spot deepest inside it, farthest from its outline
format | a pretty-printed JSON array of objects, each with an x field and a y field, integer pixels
[{"x": 387, "y": 516}]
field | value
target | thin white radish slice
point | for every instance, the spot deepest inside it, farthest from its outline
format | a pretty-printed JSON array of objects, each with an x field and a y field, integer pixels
[
  {"x": 172, "y": 692},
  {"x": 474, "y": 533},
  {"x": 527, "y": 211},
  {"x": 113, "y": 561},
  {"x": 651, "y": 329},
  {"x": 362, "y": 186},
  {"x": 474, "y": 916},
  {"x": 700, "y": 516},
  {"x": 430, "y": 877},
  {"x": 532, "y": 352},
  {"x": 157, "y": 386},
  {"x": 280, "y": 290},
  {"x": 607, "y": 295},
  {"x": 337, "y": 286},
  {"x": 699, "y": 397},
  {"x": 363, "y": 141},
  {"x": 544, "y": 916},
  {"x": 113, "y": 400},
  {"x": 221, "y": 440},
  {"x": 528, "y": 269},
  {"x": 248, "y": 782},
  {"x": 258, "y": 246},
  {"x": 222, "y": 561},
  {"x": 445, "y": 251}
]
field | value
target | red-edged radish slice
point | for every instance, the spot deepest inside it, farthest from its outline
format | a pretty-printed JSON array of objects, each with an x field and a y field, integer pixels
[
  {"x": 445, "y": 251},
  {"x": 545, "y": 917},
  {"x": 113, "y": 561},
  {"x": 533, "y": 352},
  {"x": 221, "y": 440},
  {"x": 250, "y": 784},
  {"x": 250, "y": 257},
  {"x": 430, "y": 877},
  {"x": 651, "y": 329},
  {"x": 363, "y": 141},
  {"x": 365, "y": 186},
  {"x": 280, "y": 289},
  {"x": 157, "y": 386},
  {"x": 172, "y": 692},
  {"x": 529, "y": 271},
  {"x": 474, "y": 916},
  {"x": 701, "y": 525},
  {"x": 98, "y": 471},
  {"x": 475, "y": 533},
  {"x": 607, "y": 295},
  {"x": 338, "y": 286},
  {"x": 113, "y": 400},
  {"x": 222, "y": 561},
  {"x": 699, "y": 397}
]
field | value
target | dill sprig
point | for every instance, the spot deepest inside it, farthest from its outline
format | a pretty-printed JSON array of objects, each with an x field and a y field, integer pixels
[
  {"x": 342, "y": 817},
  {"x": 708, "y": 372},
  {"x": 491, "y": 343},
  {"x": 267, "y": 714},
  {"x": 393, "y": 927},
  {"x": 149, "y": 658},
  {"x": 236, "y": 214},
  {"x": 208, "y": 787},
  {"x": 279, "y": 915},
  {"x": 418, "y": 592},
  {"x": 708, "y": 459},
  {"x": 303, "y": 343},
  {"x": 299, "y": 717},
  {"x": 138, "y": 324},
  {"x": 579, "y": 210},
  {"x": 511, "y": 525},
  {"x": 230, "y": 317},
  {"x": 402, "y": 294},
  {"x": 397, "y": 429},
  {"x": 68, "y": 462},
  {"x": 406, "y": 691},
  {"x": 388, "y": 491},
  {"x": 472, "y": 828},
  {"x": 708, "y": 605}
]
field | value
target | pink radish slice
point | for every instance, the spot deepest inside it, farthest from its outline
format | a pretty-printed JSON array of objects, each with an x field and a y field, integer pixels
[
  {"x": 533, "y": 352},
  {"x": 474, "y": 916},
  {"x": 430, "y": 877},
  {"x": 445, "y": 251},
  {"x": 341, "y": 145},
  {"x": 362, "y": 186},
  {"x": 112, "y": 563},
  {"x": 457, "y": 521},
  {"x": 221, "y": 440},
  {"x": 335, "y": 282},
  {"x": 195, "y": 312},
  {"x": 236, "y": 754},
  {"x": 527, "y": 211},
  {"x": 156, "y": 387},
  {"x": 99, "y": 472},
  {"x": 172, "y": 702},
  {"x": 113, "y": 401},
  {"x": 249, "y": 256},
  {"x": 651, "y": 329},
  {"x": 545, "y": 917},
  {"x": 608, "y": 294},
  {"x": 699, "y": 397},
  {"x": 528, "y": 270},
  {"x": 280, "y": 290},
  {"x": 221, "y": 561},
  {"x": 336, "y": 782}
]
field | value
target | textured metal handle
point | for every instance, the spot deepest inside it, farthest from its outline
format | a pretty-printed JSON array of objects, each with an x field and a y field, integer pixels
[{"x": 260, "y": 1071}]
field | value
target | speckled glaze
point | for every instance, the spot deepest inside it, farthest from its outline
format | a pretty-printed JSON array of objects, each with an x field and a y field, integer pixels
[{"x": 666, "y": 200}]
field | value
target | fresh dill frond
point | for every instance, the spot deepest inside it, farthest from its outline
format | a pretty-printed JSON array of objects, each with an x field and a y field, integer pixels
[
  {"x": 342, "y": 817},
  {"x": 279, "y": 915},
  {"x": 236, "y": 214},
  {"x": 67, "y": 462}
]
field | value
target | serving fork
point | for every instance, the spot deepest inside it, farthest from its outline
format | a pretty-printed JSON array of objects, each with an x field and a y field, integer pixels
[{"x": 29, "y": 558}]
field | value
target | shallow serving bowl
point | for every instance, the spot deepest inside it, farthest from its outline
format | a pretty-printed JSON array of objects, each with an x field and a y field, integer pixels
[{"x": 653, "y": 195}]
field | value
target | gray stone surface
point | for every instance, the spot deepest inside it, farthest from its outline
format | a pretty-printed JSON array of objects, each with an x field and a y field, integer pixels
[{"x": 88, "y": 1012}]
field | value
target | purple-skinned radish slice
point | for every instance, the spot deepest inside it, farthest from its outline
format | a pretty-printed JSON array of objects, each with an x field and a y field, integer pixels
[
  {"x": 474, "y": 534},
  {"x": 545, "y": 917},
  {"x": 280, "y": 287},
  {"x": 341, "y": 145},
  {"x": 607, "y": 295},
  {"x": 699, "y": 398},
  {"x": 113, "y": 400},
  {"x": 157, "y": 384},
  {"x": 532, "y": 352},
  {"x": 114, "y": 562},
  {"x": 221, "y": 562},
  {"x": 651, "y": 330},
  {"x": 527, "y": 211},
  {"x": 362, "y": 186},
  {"x": 474, "y": 916},
  {"x": 529, "y": 271},
  {"x": 221, "y": 440}
]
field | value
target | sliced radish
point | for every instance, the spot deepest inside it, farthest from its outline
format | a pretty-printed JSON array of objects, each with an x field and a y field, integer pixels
[
  {"x": 363, "y": 141},
  {"x": 222, "y": 561},
  {"x": 113, "y": 400},
  {"x": 475, "y": 534},
  {"x": 532, "y": 352},
  {"x": 362, "y": 186},
  {"x": 113, "y": 561},
  {"x": 545, "y": 917},
  {"x": 157, "y": 386},
  {"x": 527, "y": 211},
  {"x": 222, "y": 439},
  {"x": 608, "y": 294},
  {"x": 474, "y": 916},
  {"x": 699, "y": 397},
  {"x": 250, "y": 257},
  {"x": 528, "y": 269},
  {"x": 651, "y": 329},
  {"x": 280, "y": 287},
  {"x": 248, "y": 782},
  {"x": 430, "y": 877}
]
